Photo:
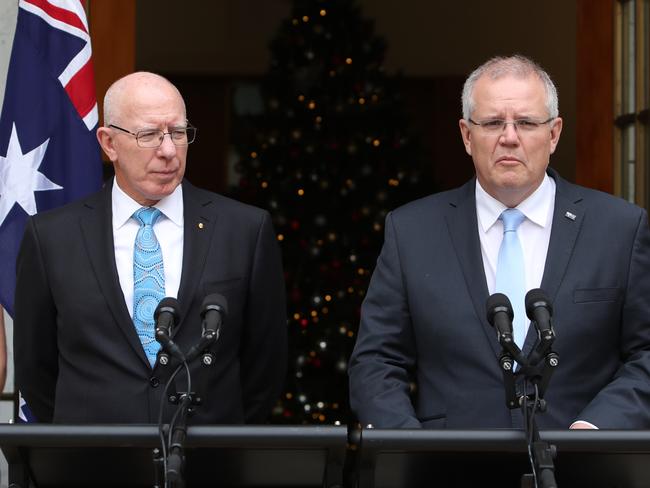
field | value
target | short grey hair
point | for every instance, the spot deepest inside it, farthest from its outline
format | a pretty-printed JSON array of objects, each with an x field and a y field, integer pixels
[{"x": 518, "y": 66}]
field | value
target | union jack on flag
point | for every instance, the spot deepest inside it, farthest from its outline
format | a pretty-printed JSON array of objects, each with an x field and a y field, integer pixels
[{"x": 49, "y": 154}]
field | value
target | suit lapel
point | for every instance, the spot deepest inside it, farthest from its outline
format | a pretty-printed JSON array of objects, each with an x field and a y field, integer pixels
[
  {"x": 97, "y": 231},
  {"x": 568, "y": 216},
  {"x": 462, "y": 224},
  {"x": 199, "y": 214}
]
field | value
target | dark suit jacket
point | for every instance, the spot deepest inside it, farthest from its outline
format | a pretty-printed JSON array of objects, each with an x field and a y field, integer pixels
[
  {"x": 78, "y": 358},
  {"x": 426, "y": 355}
]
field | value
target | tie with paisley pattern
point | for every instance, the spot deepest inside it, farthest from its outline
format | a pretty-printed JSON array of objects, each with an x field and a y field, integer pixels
[{"x": 148, "y": 280}]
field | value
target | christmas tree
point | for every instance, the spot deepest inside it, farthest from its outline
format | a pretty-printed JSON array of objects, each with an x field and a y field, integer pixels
[{"x": 329, "y": 157}]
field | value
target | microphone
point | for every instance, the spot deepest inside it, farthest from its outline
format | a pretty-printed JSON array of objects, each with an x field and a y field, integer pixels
[
  {"x": 213, "y": 312},
  {"x": 166, "y": 316},
  {"x": 539, "y": 311},
  {"x": 500, "y": 315}
]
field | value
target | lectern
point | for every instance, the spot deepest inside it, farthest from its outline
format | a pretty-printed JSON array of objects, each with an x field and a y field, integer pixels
[
  {"x": 457, "y": 458},
  {"x": 217, "y": 456},
  {"x": 306, "y": 457}
]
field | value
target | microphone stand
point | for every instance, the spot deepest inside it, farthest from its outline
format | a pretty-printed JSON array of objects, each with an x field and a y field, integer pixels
[
  {"x": 176, "y": 456},
  {"x": 177, "y": 430},
  {"x": 538, "y": 374},
  {"x": 171, "y": 457},
  {"x": 169, "y": 460},
  {"x": 202, "y": 349}
]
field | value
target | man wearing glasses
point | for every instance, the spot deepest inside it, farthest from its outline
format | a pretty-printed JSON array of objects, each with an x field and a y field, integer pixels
[
  {"x": 91, "y": 274},
  {"x": 426, "y": 355}
]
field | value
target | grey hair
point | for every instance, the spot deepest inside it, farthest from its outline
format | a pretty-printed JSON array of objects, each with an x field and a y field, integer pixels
[
  {"x": 116, "y": 90},
  {"x": 518, "y": 66}
]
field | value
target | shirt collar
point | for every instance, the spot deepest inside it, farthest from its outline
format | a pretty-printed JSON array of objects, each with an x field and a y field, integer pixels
[
  {"x": 124, "y": 206},
  {"x": 537, "y": 207}
]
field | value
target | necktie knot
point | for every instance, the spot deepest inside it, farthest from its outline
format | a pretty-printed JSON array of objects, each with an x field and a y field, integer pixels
[
  {"x": 147, "y": 215},
  {"x": 511, "y": 218}
]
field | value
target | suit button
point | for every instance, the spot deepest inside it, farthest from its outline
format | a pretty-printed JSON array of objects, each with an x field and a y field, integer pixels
[{"x": 154, "y": 382}]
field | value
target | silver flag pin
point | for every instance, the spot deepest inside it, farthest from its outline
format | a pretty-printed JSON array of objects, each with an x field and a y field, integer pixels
[{"x": 570, "y": 215}]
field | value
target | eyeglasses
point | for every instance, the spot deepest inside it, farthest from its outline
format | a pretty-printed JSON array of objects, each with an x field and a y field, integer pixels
[
  {"x": 149, "y": 138},
  {"x": 520, "y": 125}
]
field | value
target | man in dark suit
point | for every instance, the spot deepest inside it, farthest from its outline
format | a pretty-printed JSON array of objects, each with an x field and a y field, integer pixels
[
  {"x": 426, "y": 355},
  {"x": 79, "y": 358}
]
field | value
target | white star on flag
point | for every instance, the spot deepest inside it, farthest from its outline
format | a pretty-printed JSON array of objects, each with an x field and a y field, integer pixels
[{"x": 20, "y": 178}]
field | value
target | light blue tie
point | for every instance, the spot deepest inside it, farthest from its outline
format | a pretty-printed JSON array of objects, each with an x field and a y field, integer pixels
[
  {"x": 511, "y": 273},
  {"x": 148, "y": 280}
]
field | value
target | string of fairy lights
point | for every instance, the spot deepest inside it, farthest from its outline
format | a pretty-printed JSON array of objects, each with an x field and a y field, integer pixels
[{"x": 330, "y": 156}]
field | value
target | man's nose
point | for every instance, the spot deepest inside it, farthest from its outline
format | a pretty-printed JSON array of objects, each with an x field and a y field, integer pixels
[
  {"x": 167, "y": 148},
  {"x": 510, "y": 134}
]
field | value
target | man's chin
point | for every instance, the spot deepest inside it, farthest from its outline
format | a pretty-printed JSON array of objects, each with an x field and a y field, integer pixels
[
  {"x": 162, "y": 190},
  {"x": 513, "y": 178}
]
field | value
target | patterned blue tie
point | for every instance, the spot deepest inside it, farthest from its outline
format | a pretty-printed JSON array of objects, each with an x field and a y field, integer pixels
[
  {"x": 148, "y": 280},
  {"x": 511, "y": 273}
]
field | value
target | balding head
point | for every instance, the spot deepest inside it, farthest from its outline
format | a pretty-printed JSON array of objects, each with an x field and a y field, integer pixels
[
  {"x": 136, "y": 106},
  {"x": 131, "y": 88}
]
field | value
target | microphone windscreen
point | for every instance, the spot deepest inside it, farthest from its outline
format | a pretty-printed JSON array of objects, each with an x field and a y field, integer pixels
[
  {"x": 214, "y": 301},
  {"x": 498, "y": 302},
  {"x": 537, "y": 298},
  {"x": 167, "y": 304}
]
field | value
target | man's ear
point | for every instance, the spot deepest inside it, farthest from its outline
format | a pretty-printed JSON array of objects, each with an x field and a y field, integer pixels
[
  {"x": 466, "y": 135},
  {"x": 555, "y": 133},
  {"x": 105, "y": 138}
]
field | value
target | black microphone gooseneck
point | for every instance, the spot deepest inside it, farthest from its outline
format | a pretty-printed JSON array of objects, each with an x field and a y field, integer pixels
[
  {"x": 166, "y": 316},
  {"x": 213, "y": 312},
  {"x": 533, "y": 370},
  {"x": 539, "y": 310},
  {"x": 500, "y": 315}
]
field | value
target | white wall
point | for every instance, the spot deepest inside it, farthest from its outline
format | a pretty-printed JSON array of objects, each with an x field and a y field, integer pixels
[{"x": 8, "y": 13}]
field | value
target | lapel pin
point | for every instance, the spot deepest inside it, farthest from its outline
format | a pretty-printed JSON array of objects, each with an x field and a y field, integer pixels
[
  {"x": 200, "y": 225},
  {"x": 570, "y": 215}
]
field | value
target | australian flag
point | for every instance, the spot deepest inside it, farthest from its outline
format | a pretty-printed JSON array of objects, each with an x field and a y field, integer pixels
[{"x": 48, "y": 151}]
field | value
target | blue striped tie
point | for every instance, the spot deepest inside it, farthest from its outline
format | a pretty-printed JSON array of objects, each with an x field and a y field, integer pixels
[
  {"x": 511, "y": 273},
  {"x": 148, "y": 280}
]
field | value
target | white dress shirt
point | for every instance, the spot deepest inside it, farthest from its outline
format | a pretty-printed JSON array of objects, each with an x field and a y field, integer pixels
[
  {"x": 534, "y": 232},
  {"x": 169, "y": 232}
]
